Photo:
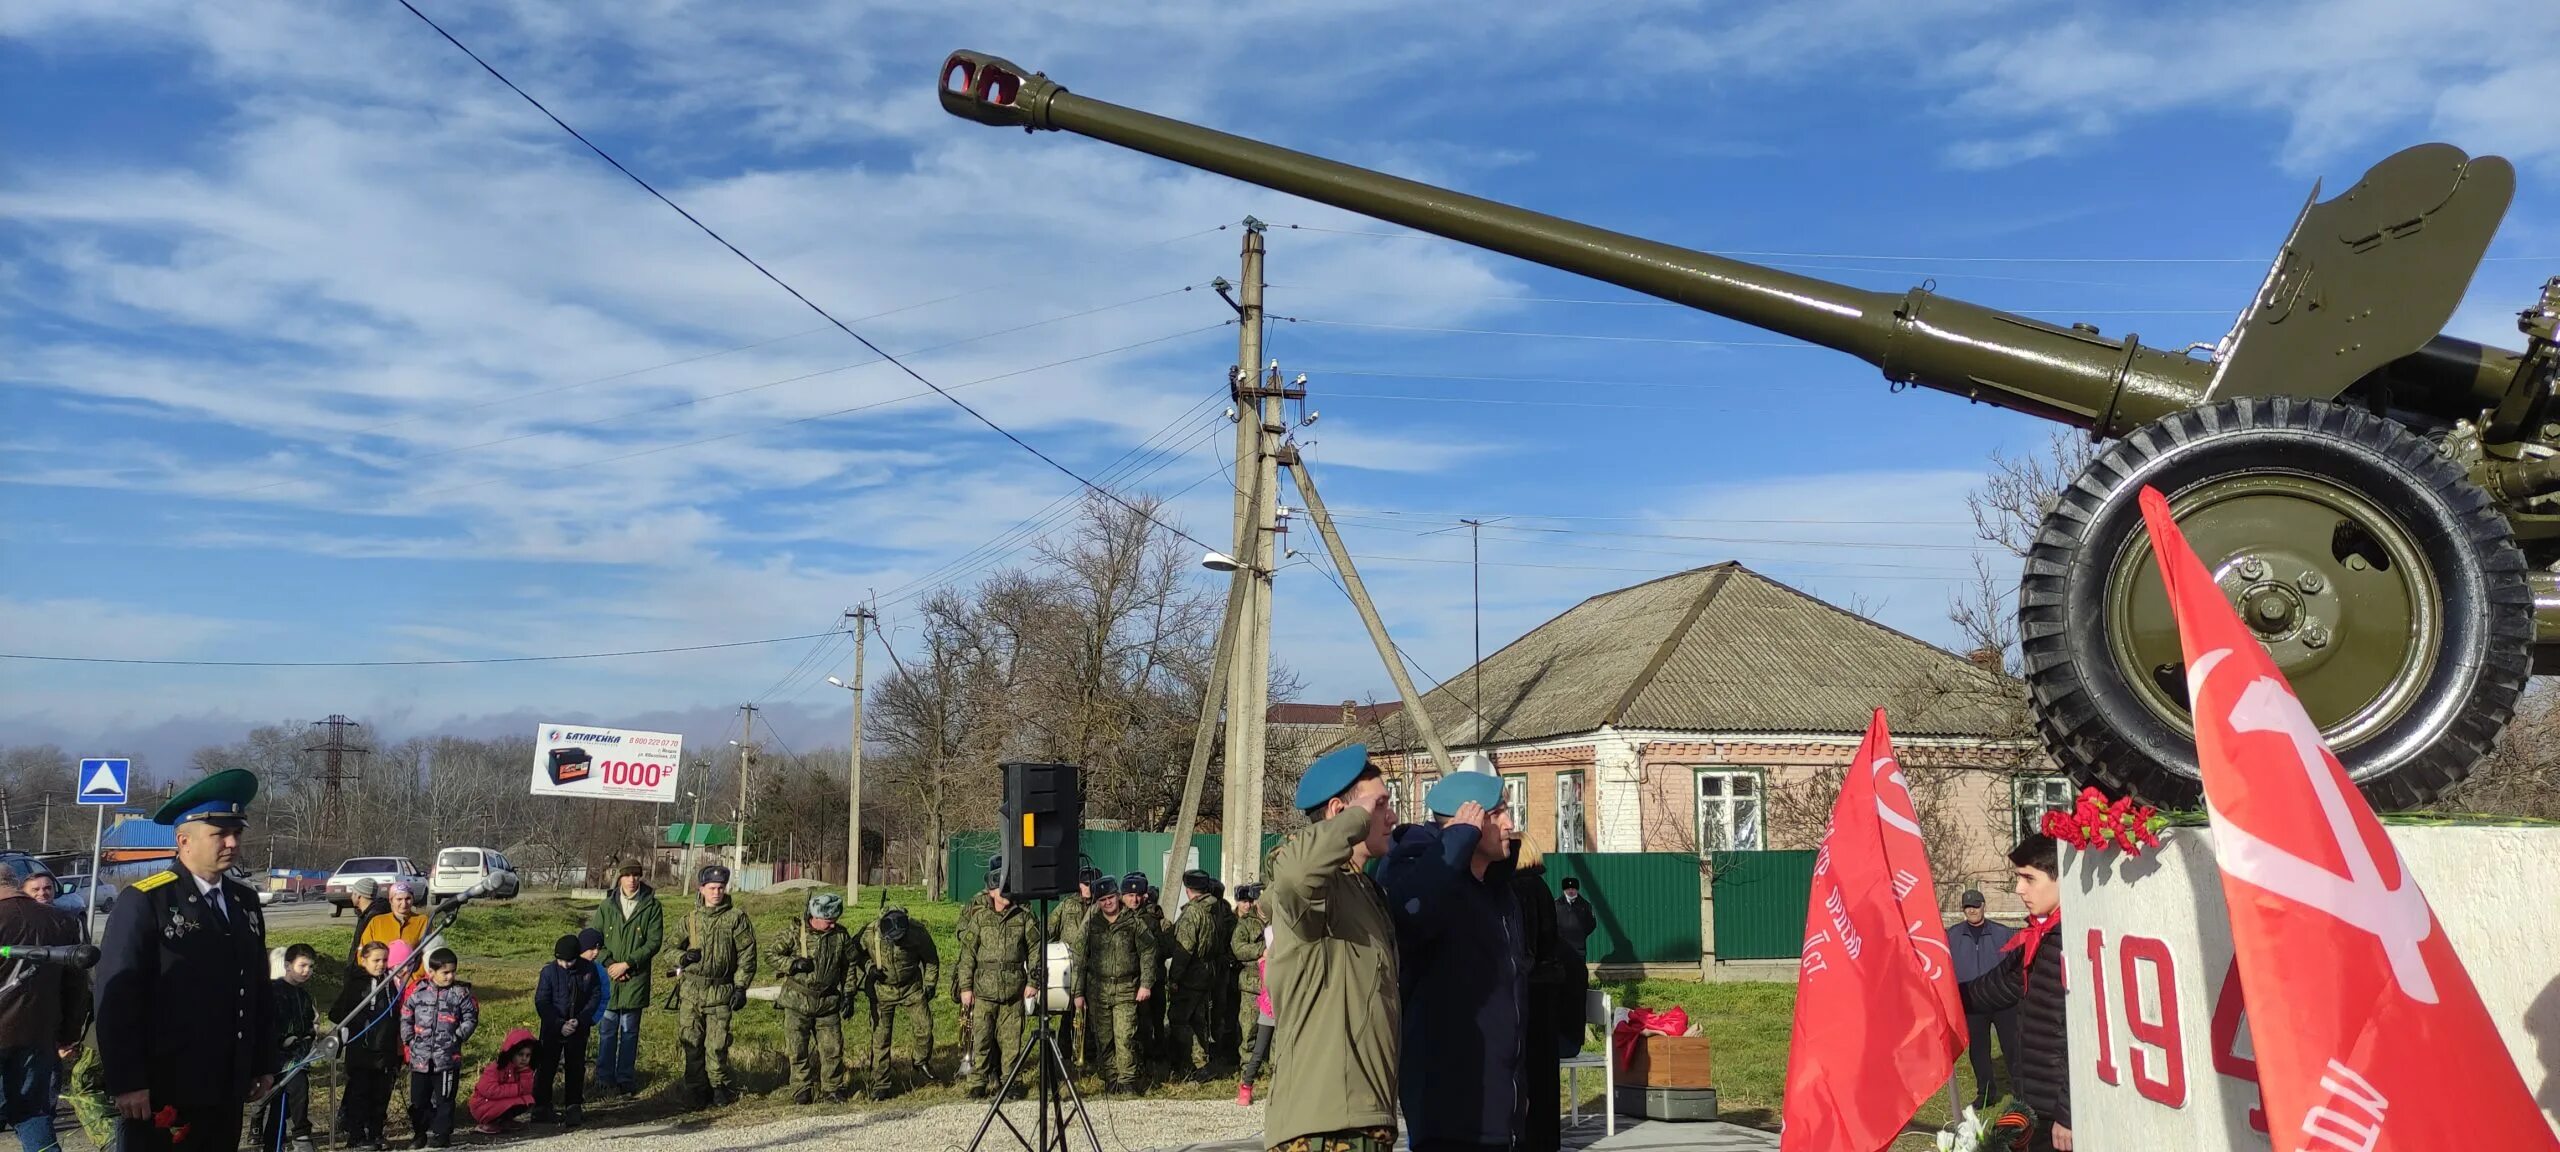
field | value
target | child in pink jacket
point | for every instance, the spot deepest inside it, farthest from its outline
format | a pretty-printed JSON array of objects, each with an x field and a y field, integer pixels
[{"x": 504, "y": 1094}]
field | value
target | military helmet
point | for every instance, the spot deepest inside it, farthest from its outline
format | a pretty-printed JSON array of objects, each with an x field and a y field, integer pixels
[{"x": 825, "y": 906}]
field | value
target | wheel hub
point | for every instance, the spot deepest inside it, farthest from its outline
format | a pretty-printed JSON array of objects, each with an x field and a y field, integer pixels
[{"x": 2338, "y": 592}]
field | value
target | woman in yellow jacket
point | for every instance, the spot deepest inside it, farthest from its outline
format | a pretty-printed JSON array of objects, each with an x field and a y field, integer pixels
[{"x": 405, "y": 921}]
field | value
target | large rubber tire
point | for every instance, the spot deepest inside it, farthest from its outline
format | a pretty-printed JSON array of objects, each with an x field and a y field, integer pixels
[{"x": 2107, "y": 730}]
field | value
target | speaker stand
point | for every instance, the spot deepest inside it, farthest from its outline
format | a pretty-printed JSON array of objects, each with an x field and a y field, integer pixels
[{"x": 1061, "y": 1107}]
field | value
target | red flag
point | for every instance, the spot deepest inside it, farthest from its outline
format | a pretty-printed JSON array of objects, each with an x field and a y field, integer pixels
[
  {"x": 2368, "y": 1033},
  {"x": 1873, "y": 1038}
]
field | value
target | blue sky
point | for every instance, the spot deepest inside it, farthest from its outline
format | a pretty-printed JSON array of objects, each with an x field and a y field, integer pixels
[{"x": 321, "y": 345}]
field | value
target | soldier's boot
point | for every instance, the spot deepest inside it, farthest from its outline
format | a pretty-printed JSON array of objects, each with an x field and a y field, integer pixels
[{"x": 804, "y": 1095}]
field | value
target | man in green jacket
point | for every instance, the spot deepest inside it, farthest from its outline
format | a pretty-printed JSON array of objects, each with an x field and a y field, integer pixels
[
  {"x": 1115, "y": 975},
  {"x": 634, "y": 928},
  {"x": 1198, "y": 966},
  {"x": 718, "y": 951},
  {"x": 897, "y": 960},
  {"x": 997, "y": 954},
  {"x": 816, "y": 963},
  {"x": 1333, "y": 965},
  {"x": 1066, "y": 922},
  {"x": 969, "y": 914},
  {"x": 1244, "y": 946}
]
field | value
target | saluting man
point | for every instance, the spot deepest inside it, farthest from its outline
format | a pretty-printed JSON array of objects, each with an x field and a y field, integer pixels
[{"x": 184, "y": 1031}]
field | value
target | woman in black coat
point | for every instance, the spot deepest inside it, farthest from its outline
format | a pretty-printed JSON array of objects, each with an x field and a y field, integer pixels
[{"x": 1551, "y": 978}]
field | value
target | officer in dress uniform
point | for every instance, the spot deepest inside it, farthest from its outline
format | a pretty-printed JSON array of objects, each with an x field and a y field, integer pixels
[{"x": 184, "y": 1031}]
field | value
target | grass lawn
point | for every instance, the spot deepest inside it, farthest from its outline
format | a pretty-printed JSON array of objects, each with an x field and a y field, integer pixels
[
  {"x": 504, "y": 946},
  {"x": 1748, "y": 1027}
]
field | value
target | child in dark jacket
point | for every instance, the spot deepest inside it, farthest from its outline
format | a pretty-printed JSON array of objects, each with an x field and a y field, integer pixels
[
  {"x": 436, "y": 1020},
  {"x": 565, "y": 996},
  {"x": 2029, "y": 978},
  {"x": 288, "y": 1112},
  {"x": 372, "y": 1052},
  {"x": 505, "y": 1091}
]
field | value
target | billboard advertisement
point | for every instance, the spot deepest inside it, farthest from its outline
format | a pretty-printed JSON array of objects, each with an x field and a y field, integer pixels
[{"x": 605, "y": 763}]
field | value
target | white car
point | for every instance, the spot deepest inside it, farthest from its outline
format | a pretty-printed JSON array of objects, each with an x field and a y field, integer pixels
[
  {"x": 384, "y": 871},
  {"x": 457, "y": 869}
]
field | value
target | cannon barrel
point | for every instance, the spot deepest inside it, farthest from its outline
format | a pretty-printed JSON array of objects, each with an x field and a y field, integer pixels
[{"x": 2071, "y": 375}]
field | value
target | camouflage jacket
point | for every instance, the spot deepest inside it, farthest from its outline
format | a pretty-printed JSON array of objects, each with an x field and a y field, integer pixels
[
  {"x": 910, "y": 963},
  {"x": 822, "y": 989},
  {"x": 726, "y": 940},
  {"x": 1119, "y": 956},
  {"x": 998, "y": 952},
  {"x": 1200, "y": 945},
  {"x": 1245, "y": 945}
]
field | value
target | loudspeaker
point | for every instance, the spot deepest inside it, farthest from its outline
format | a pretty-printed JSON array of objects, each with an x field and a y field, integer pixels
[{"x": 1043, "y": 821}]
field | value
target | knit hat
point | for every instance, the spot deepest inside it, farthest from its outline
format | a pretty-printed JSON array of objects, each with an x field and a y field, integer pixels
[
  {"x": 589, "y": 940},
  {"x": 631, "y": 869},
  {"x": 565, "y": 949}
]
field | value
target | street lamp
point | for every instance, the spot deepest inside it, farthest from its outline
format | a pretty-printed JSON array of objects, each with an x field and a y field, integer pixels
[
  {"x": 853, "y": 800},
  {"x": 692, "y": 836},
  {"x": 1219, "y": 562}
]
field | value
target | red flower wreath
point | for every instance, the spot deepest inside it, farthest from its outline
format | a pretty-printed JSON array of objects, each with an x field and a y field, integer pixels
[{"x": 2096, "y": 822}]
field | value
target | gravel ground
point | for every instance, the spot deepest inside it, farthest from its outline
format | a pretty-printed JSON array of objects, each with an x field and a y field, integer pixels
[{"x": 1124, "y": 1125}]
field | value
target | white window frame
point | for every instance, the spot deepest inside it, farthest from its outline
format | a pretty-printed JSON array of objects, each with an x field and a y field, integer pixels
[
  {"x": 1515, "y": 796},
  {"x": 2030, "y": 797},
  {"x": 1735, "y": 787},
  {"x": 1573, "y": 815}
]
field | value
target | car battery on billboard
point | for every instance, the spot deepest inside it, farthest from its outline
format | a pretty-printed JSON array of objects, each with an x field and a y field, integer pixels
[{"x": 570, "y": 765}]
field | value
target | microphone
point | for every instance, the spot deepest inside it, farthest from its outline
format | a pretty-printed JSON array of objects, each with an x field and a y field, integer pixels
[
  {"x": 497, "y": 885},
  {"x": 73, "y": 955}
]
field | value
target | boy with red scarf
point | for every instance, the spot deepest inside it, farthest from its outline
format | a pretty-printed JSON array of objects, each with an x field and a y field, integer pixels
[{"x": 2029, "y": 977}]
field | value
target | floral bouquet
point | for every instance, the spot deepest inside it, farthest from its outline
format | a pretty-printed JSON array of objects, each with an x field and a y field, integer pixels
[
  {"x": 2097, "y": 822},
  {"x": 2006, "y": 1129}
]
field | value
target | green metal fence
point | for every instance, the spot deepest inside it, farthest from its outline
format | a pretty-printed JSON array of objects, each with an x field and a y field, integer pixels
[
  {"x": 1760, "y": 902},
  {"x": 1644, "y": 904}
]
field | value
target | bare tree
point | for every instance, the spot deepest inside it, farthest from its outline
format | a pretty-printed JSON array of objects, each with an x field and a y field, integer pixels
[{"x": 2008, "y": 509}]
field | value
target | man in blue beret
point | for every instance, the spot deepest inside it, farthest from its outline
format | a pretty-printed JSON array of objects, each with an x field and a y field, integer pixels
[
  {"x": 1458, "y": 929},
  {"x": 1332, "y": 962},
  {"x": 184, "y": 1031}
]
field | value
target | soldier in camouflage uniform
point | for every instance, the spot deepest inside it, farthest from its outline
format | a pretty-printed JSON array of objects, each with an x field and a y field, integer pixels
[
  {"x": 998, "y": 953},
  {"x": 1066, "y": 922},
  {"x": 718, "y": 947},
  {"x": 1115, "y": 975},
  {"x": 1244, "y": 946},
  {"x": 1138, "y": 896},
  {"x": 816, "y": 963},
  {"x": 969, "y": 913},
  {"x": 1097, "y": 1037},
  {"x": 1194, "y": 968},
  {"x": 896, "y": 959},
  {"x": 1221, "y": 1039}
]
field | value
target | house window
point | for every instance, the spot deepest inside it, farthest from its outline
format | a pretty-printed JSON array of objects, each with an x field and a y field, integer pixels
[
  {"x": 1572, "y": 830},
  {"x": 2035, "y": 796},
  {"x": 1515, "y": 796},
  {"x": 1728, "y": 812},
  {"x": 1395, "y": 796}
]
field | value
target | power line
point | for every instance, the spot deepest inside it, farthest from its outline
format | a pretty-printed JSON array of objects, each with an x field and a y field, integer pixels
[
  {"x": 832, "y": 415},
  {"x": 779, "y": 282},
  {"x": 403, "y": 663},
  {"x": 740, "y": 391}
]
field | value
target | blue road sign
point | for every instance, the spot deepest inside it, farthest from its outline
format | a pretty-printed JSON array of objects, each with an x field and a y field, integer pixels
[{"x": 105, "y": 781}]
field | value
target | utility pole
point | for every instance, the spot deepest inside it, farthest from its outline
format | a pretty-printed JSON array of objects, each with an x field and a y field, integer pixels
[
  {"x": 861, "y": 618},
  {"x": 1422, "y": 722},
  {"x": 746, "y": 766},
  {"x": 44, "y": 837},
  {"x": 1475, "y": 671},
  {"x": 333, "y": 767},
  {"x": 1248, "y": 677}
]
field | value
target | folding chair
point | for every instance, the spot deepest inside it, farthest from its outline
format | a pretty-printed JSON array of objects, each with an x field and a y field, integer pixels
[{"x": 1597, "y": 1012}]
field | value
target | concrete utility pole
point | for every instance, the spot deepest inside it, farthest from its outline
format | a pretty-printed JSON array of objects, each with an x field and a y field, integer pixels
[
  {"x": 1422, "y": 723},
  {"x": 1212, "y": 702},
  {"x": 746, "y": 767},
  {"x": 861, "y": 618},
  {"x": 1248, "y": 676}
]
